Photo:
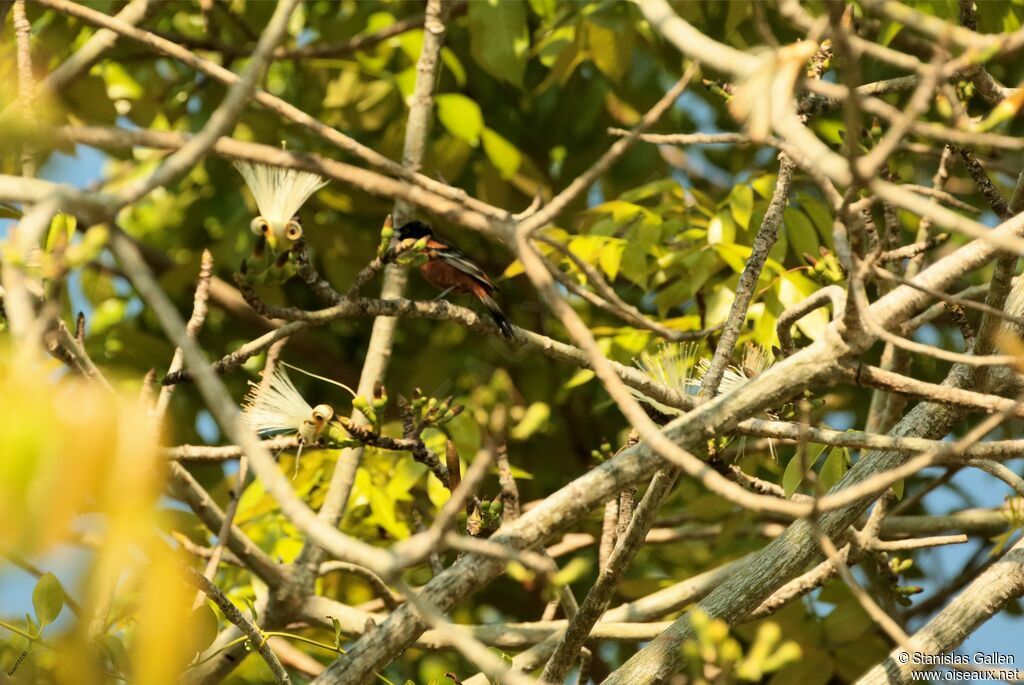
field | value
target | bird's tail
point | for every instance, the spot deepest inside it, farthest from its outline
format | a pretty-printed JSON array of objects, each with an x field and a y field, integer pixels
[{"x": 496, "y": 313}]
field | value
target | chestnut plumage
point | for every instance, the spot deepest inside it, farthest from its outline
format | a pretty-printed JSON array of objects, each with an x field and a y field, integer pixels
[{"x": 449, "y": 268}]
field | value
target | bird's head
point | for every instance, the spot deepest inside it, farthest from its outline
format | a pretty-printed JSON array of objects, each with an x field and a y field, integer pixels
[
  {"x": 279, "y": 193},
  {"x": 414, "y": 230}
]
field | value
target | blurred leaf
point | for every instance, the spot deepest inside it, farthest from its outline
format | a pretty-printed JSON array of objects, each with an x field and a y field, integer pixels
[
  {"x": 406, "y": 474},
  {"x": 610, "y": 257},
  {"x": 833, "y": 469},
  {"x": 572, "y": 571},
  {"x": 793, "y": 288},
  {"x": 47, "y": 599},
  {"x": 62, "y": 228},
  {"x": 461, "y": 116},
  {"x": 846, "y": 623},
  {"x": 796, "y": 469},
  {"x": 764, "y": 185},
  {"x": 741, "y": 205},
  {"x": 203, "y": 627},
  {"x": 579, "y": 378},
  {"x": 503, "y": 154},
  {"x": 385, "y": 513},
  {"x": 543, "y": 8},
  {"x": 499, "y": 38},
  {"x": 815, "y": 668},
  {"x": 120, "y": 84},
  {"x": 611, "y": 49},
  {"x": 803, "y": 238},
  {"x": 721, "y": 229},
  {"x": 454, "y": 65},
  {"x": 820, "y": 214},
  {"x": 535, "y": 419}
]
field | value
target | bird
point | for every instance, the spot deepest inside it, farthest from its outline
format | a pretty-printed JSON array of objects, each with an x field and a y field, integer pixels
[
  {"x": 279, "y": 194},
  {"x": 448, "y": 268}
]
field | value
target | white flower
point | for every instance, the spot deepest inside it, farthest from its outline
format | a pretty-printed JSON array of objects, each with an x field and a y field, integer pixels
[
  {"x": 279, "y": 193},
  {"x": 677, "y": 366},
  {"x": 277, "y": 408},
  {"x": 672, "y": 365},
  {"x": 755, "y": 360}
]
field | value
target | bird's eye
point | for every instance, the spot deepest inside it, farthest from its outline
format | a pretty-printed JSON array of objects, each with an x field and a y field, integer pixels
[
  {"x": 292, "y": 230},
  {"x": 259, "y": 225}
]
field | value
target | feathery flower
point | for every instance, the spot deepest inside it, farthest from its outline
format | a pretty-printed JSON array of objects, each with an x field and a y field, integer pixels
[
  {"x": 677, "y": 366},
  {"x": 277, "y": 408},
  {"x": 755, "y": 360},
  {"x": 673, "y": 365},
  {"x": 279, "y": 193}
]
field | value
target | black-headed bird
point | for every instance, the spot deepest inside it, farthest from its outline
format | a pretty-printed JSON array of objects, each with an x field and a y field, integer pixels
[
  {"x": 279, "y": 194},
  {"x": 450, "y": 269}
]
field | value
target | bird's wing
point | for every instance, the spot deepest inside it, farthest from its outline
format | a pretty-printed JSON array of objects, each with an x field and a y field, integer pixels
[{"x": 457, "y": 258}]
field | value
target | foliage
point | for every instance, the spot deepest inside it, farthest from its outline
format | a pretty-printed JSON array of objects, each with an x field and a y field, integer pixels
[{"x": 526, "y": 94}]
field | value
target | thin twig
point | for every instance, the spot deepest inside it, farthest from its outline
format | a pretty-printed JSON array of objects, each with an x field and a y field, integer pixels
[{"x": 250, "y": 629}]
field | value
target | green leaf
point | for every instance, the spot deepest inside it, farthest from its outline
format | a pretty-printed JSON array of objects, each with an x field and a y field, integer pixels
[
  {"x": 803, "y": 238},
  {"x": 820, "y": 214},
  {"x": 120, "y": 84},
  {"x": 461, "y": 116},
  {"x": 572, "y": 571},
  {"x": 451, "y": 61},
  {"x": 436, "y": 491},
  {"x": 764, "y": 185},
  {"x": 741, "y": 205},
  {"x": 889, "y": 30},
  {"x": 794, "y": 287},
  {"x": 579, "y": 378},
  {"x": 503, "y": 154},
  {"x": 846, "y": 623},
  {"x": 815, "y": 668},
  {"x": 543, "y": 8},
  {"x": 734, "y": 255},
  {"x": 721, "y": 229},
  {"x": 793, "y": 476},
  {"x": 62, "y": 227},
  {"x": 832, "y": 470},
  {"x": 611, "y": 257},
  {"x": 114, "y": 648},
  {"x": 535, "y": 419},
  {"x": 611, "y": 50},
  {"x": 514, "y": 268},
  {"x": 406, "y": 474},
  {"x": 385, "y": 513},
  {"x": 47, "y": 599},
  {"x": 337, "y": 631},
  {"x": 253, "y": 611},
  {"x": 499, "y": 38},
  {"x": 203, "y": 623},
  {"x": 795, "y": 471}
]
